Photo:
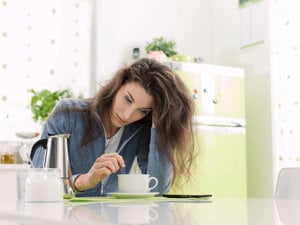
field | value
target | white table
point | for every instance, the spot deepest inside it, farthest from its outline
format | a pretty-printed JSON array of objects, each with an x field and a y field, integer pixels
[{"x": 219, "y": 211}]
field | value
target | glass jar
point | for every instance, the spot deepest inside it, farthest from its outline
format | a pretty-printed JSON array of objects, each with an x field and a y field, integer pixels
[
  {"x": 43, "y": 185},
  {"x": 7, "y": 153}
]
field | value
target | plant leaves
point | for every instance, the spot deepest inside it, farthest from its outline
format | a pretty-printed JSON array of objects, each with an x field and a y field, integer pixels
[
  {"x": 162, "y": 44},
  {"x": 42, "y": 102}
]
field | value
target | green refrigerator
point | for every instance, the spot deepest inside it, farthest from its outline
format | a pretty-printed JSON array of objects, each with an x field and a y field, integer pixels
[{"x": 220, "y": 166}]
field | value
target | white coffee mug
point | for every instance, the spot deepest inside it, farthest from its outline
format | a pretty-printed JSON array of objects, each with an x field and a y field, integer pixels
[{"x": 136, "y": 183}]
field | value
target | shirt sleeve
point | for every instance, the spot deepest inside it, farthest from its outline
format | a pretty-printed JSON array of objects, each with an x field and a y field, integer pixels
[{"x": 157, "y": 165}]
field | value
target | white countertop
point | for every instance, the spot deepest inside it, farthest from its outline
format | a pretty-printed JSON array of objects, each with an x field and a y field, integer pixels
[{"x": 219, "y": 211}]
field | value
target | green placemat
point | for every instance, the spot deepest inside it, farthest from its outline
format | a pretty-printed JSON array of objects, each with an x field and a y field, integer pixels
[{"x": 113, "y": 199}]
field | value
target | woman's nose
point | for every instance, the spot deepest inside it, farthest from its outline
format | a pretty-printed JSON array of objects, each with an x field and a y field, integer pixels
[{"x": 128, "y": 113}]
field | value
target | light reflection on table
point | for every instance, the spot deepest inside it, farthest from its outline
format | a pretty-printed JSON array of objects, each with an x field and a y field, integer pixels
[{"x": 217, "y": 211}]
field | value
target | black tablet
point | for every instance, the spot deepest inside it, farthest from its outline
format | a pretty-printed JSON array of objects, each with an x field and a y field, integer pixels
[{"x": 186, "y": 196}]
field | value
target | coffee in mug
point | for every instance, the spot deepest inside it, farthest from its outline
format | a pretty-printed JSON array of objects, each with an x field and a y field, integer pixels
[{"x": 136, "y": 183}]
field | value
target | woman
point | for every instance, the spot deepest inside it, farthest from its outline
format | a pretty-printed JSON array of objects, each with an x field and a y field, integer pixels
[{"x": 144, "y": 111}]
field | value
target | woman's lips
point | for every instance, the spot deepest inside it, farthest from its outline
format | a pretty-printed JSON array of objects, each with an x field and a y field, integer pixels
[{"x": 121, "y": 120}]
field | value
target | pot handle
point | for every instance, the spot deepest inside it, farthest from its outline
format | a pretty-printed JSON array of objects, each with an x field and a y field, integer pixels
[{"x": 36, "y": 145}]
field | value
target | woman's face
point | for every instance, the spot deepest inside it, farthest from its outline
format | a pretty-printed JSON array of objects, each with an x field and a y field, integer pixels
[{"x": 130, "y": 104}]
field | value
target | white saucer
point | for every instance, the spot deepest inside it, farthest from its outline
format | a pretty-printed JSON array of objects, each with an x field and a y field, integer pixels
[{"x": 133, "y": 195}]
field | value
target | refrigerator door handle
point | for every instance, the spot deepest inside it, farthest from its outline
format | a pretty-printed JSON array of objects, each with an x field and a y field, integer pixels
[
  {"x": 219, "y": 121},
  {"x": 221, "y": 124}
]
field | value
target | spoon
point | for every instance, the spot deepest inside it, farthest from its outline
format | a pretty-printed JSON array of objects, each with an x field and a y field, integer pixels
[{"x": 122, "y": 169}]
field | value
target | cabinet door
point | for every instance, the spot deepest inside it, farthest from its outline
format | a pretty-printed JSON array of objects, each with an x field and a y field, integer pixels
[
  {"x": 220, "y": 166},
  {"x": 217, "y": 91}
]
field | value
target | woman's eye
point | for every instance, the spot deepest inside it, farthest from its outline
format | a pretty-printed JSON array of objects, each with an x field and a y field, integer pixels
[
  {"x": 144, "y": 111},
  {"x": 128, "y": 99}
]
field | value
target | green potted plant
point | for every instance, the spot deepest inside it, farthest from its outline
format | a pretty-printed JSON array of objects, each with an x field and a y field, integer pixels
[
  {"x": 42, "y": 102},
  {"x": 162, "y": 44}
]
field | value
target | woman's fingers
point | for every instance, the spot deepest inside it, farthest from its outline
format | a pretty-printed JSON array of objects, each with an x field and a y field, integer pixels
[
  {"x": 101, "y": 169},
  {"x": 111, "y": 165},
  {"x": 106, "y": 165},
  {"x": 115, "y": 158},
  {"x": 98, "y": 174},
  {"x": 118, "y": 157}
]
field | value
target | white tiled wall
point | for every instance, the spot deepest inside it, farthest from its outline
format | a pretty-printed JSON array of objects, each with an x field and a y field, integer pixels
[
  {"x": 43, "y": 45},
  {"x": 286, "y": 69}
]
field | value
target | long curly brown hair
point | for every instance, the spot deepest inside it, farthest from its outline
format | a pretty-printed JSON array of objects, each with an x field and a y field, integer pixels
[{"x": 173, "y": 109}]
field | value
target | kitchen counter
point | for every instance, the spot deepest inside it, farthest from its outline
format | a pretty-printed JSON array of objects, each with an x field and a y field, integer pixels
[{"x": 153, "y": 211}]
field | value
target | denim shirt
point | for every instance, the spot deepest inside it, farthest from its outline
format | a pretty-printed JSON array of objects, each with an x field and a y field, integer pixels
[{"x": 69, "y": 118}]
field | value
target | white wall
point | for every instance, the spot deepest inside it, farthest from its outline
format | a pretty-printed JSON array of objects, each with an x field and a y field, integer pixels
[
  {"x": 46, "y": 46},
  {"x": 124, "y": 24}
]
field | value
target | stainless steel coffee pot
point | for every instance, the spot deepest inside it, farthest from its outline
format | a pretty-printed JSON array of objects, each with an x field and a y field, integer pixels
[{"x": 57, "y": 156}]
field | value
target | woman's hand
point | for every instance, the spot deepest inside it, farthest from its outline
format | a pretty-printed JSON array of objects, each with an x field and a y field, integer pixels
[{"x": 104, "y": 165}]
